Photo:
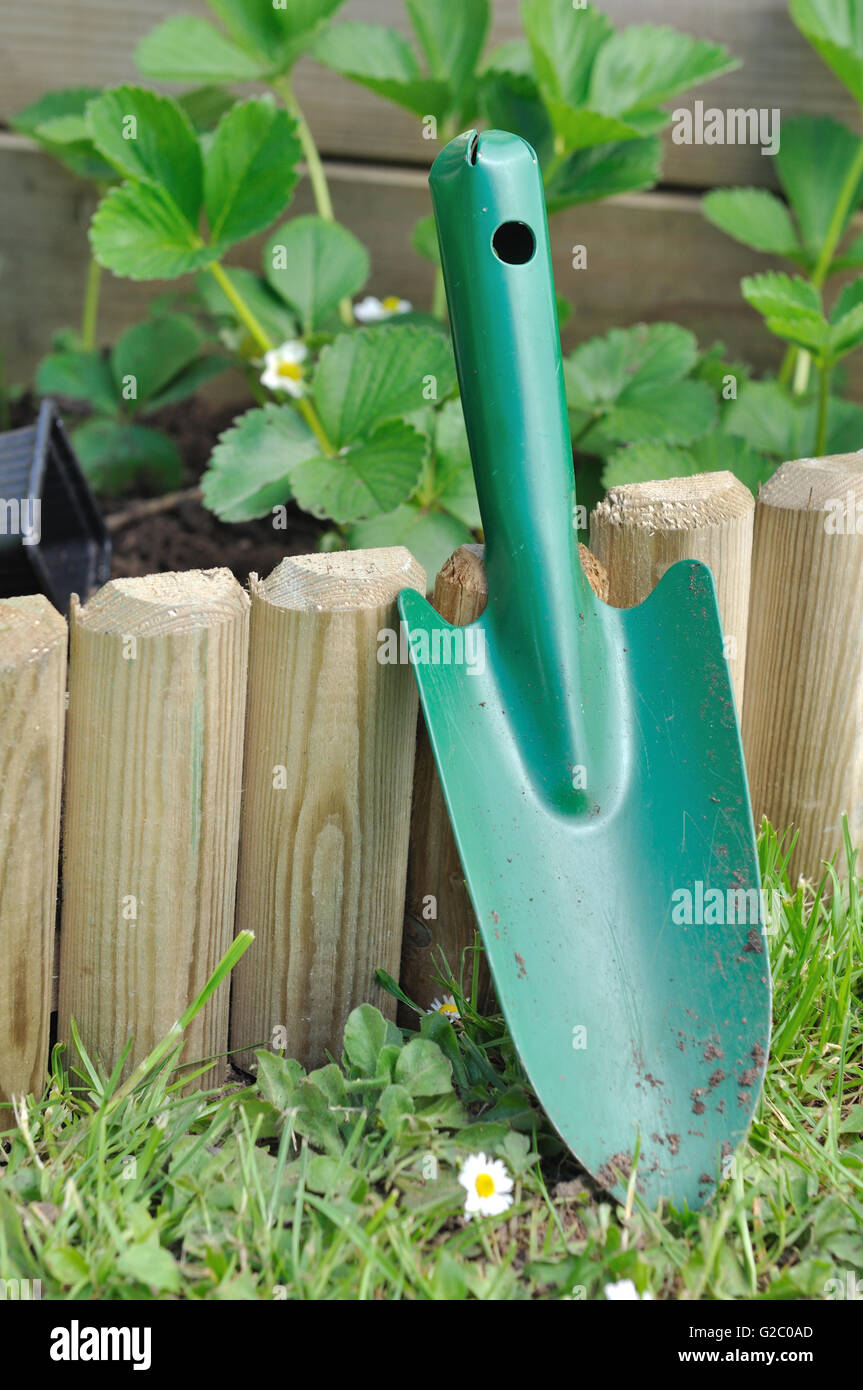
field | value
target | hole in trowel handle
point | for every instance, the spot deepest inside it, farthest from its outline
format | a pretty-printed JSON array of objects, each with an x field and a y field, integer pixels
[{"x": 514, "y": 243}]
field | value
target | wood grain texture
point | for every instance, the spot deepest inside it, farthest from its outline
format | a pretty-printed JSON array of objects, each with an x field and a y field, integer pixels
[
  {"x": 650, "y": 257},
  {"x": 327, "y": 785},
  {"x": 153, "y": 783},
  {"x": 32, "y": 716},
  {"x": 93, "y": 41},
  {"x": 639, "y": 530},
  {"x": 439, "y": 918},
  {"x": 803, "y": 717}
]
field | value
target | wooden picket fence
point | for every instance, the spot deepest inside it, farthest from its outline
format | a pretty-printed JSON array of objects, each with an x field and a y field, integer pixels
[{"x": 243, "y": 760}]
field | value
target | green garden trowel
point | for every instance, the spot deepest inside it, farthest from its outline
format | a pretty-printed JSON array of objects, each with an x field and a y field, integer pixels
[{"x": 590, "y": 757}]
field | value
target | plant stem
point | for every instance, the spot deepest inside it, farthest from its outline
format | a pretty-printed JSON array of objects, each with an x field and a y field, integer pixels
[
  {"x": 310, "y": 415},
  {"x": 837, "y": 221},
  {"x": 792, "y": 363},
  {"x": 260, "y": 335},
  {"x": 823, "y": 407},
  {"x": 317, "y": 176},
  {"x": 90, "y": 312},
  {"x": 265, "y": 343},
  {"x": 786, "y": 371}
]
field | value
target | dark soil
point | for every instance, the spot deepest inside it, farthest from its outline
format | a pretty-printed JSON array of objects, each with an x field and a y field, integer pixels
[{"x": 185, "y": 535}]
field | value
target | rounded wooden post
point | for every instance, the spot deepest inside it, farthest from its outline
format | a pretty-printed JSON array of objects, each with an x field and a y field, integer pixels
[
  {"x": 153, "y": 782},
  {"x": 330, "y": 738},
  {"x": 640, "y": 529},
  {"x": 439, "y": 918},
  {"x": 32, "y": 701},
  {"x": 803, "y": 718}
]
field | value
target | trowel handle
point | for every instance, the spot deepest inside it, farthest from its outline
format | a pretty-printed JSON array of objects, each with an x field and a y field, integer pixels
[{"x": 490, "y": 211}]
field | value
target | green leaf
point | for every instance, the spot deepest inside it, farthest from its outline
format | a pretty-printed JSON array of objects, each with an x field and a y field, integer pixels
[
  {"x": 581, "y": 130},
  {"x": 55, "y": 122},
  {"x": 598, "y": 371},
  {"x": 278, "y": 1077},
  {"x": 188, "y": 49},
  {"x": 365, "y": 1036},
  {"x": 682, "y": 411},
  {"x": 715, "y": 368},
  {"x": 366, "y": 378},
  {"x": 205, "y": 106},
  {"x": 82, "y": 375},
  {"x": 139, "y": 232},
  {"x": 564, "y": 43},
  {"x": 331, "y": 1081},
  {"x": 64, "y": 130},
  {"x": 754, "y": 217},
  {"x": 791, "y": 307},
  {"x": 603, "y": 171},
  {"x": 395, "y": 1103},
  {"x": 512, "y": 56},
  {"x": 718, "y": 452},
  {"x": 451, "y": 37},
  {"x": 115, "y": 453},
  {"x": 278, "y": 33},
  {"x": 312, "y": 265},
  {"x": 250, "y": 468},
  {"x": 313, "y": 1118},
  {"x": 430, "y": 534},
  {"x": 645, "y": 462},
  {"x": 147, "y": 136},
  {"x": 66, "y": 1264},
  {"x": 511, "y": 101},
  {"x": 851, "y": 258},
  {"x": 366, "y": 479},
  {"x": 454, "y": 487},
  {"x": 785, "y": 427},
  {"x": 853, "y": 1122},
  {"x": 190, "y": 380},
  {"x": 814, "y": 161},
  {"x": 154, "y": 352},
  {"x": 271, "y": 312},
  {"x": 651, "y": 460},
  {"x": 632, "y": 381},
  {"x": 423, "y": 1070},
  {"x": 382, "y": 60},
  {"x": 148, "y": 1263},
  {"x": 846, "y": 321},
  {"x": 250, "y": 170},
  {"x": 66, "y": 101},
  {"x": 768, "y": 419},
  {"x": 643, "y": 66},
  {"x": 424, "y": 240},
  {"x": 332, "y": 1177},
  {"x": 834, "y": 29}
]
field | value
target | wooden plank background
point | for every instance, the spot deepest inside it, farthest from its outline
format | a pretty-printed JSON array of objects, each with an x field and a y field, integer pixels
[{"x": 650, "y": 256}]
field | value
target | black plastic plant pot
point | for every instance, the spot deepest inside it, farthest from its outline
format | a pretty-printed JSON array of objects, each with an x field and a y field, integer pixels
[{"x": 52, "y": 538}]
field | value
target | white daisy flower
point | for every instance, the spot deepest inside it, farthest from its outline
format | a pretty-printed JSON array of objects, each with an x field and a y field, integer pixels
[
  {"x": 446, "y": 1006},
  {"x": 372, "y": 310},
  {"x": 624, "y": 1289},
  {"x": 283, "y": 368},
  {"x": 488, "y": 1185}
]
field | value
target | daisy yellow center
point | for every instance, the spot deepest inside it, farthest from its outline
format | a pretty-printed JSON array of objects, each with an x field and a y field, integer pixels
[
  {"x": 292, "y": 370},
  {"x": 447, "y": 1009},
  {"x": 484, "y": 1185},
  {"x": 391, "y": 302}
]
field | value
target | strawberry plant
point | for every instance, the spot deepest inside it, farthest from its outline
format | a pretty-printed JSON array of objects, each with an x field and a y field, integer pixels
[
  {"x": 153, "y": 364},
  {"x": 357, "y": 418},
  {"x": 820, "y": 169}
]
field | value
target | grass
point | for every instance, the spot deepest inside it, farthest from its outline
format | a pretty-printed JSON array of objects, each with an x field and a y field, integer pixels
[{"x": 343, "y": 1184}]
